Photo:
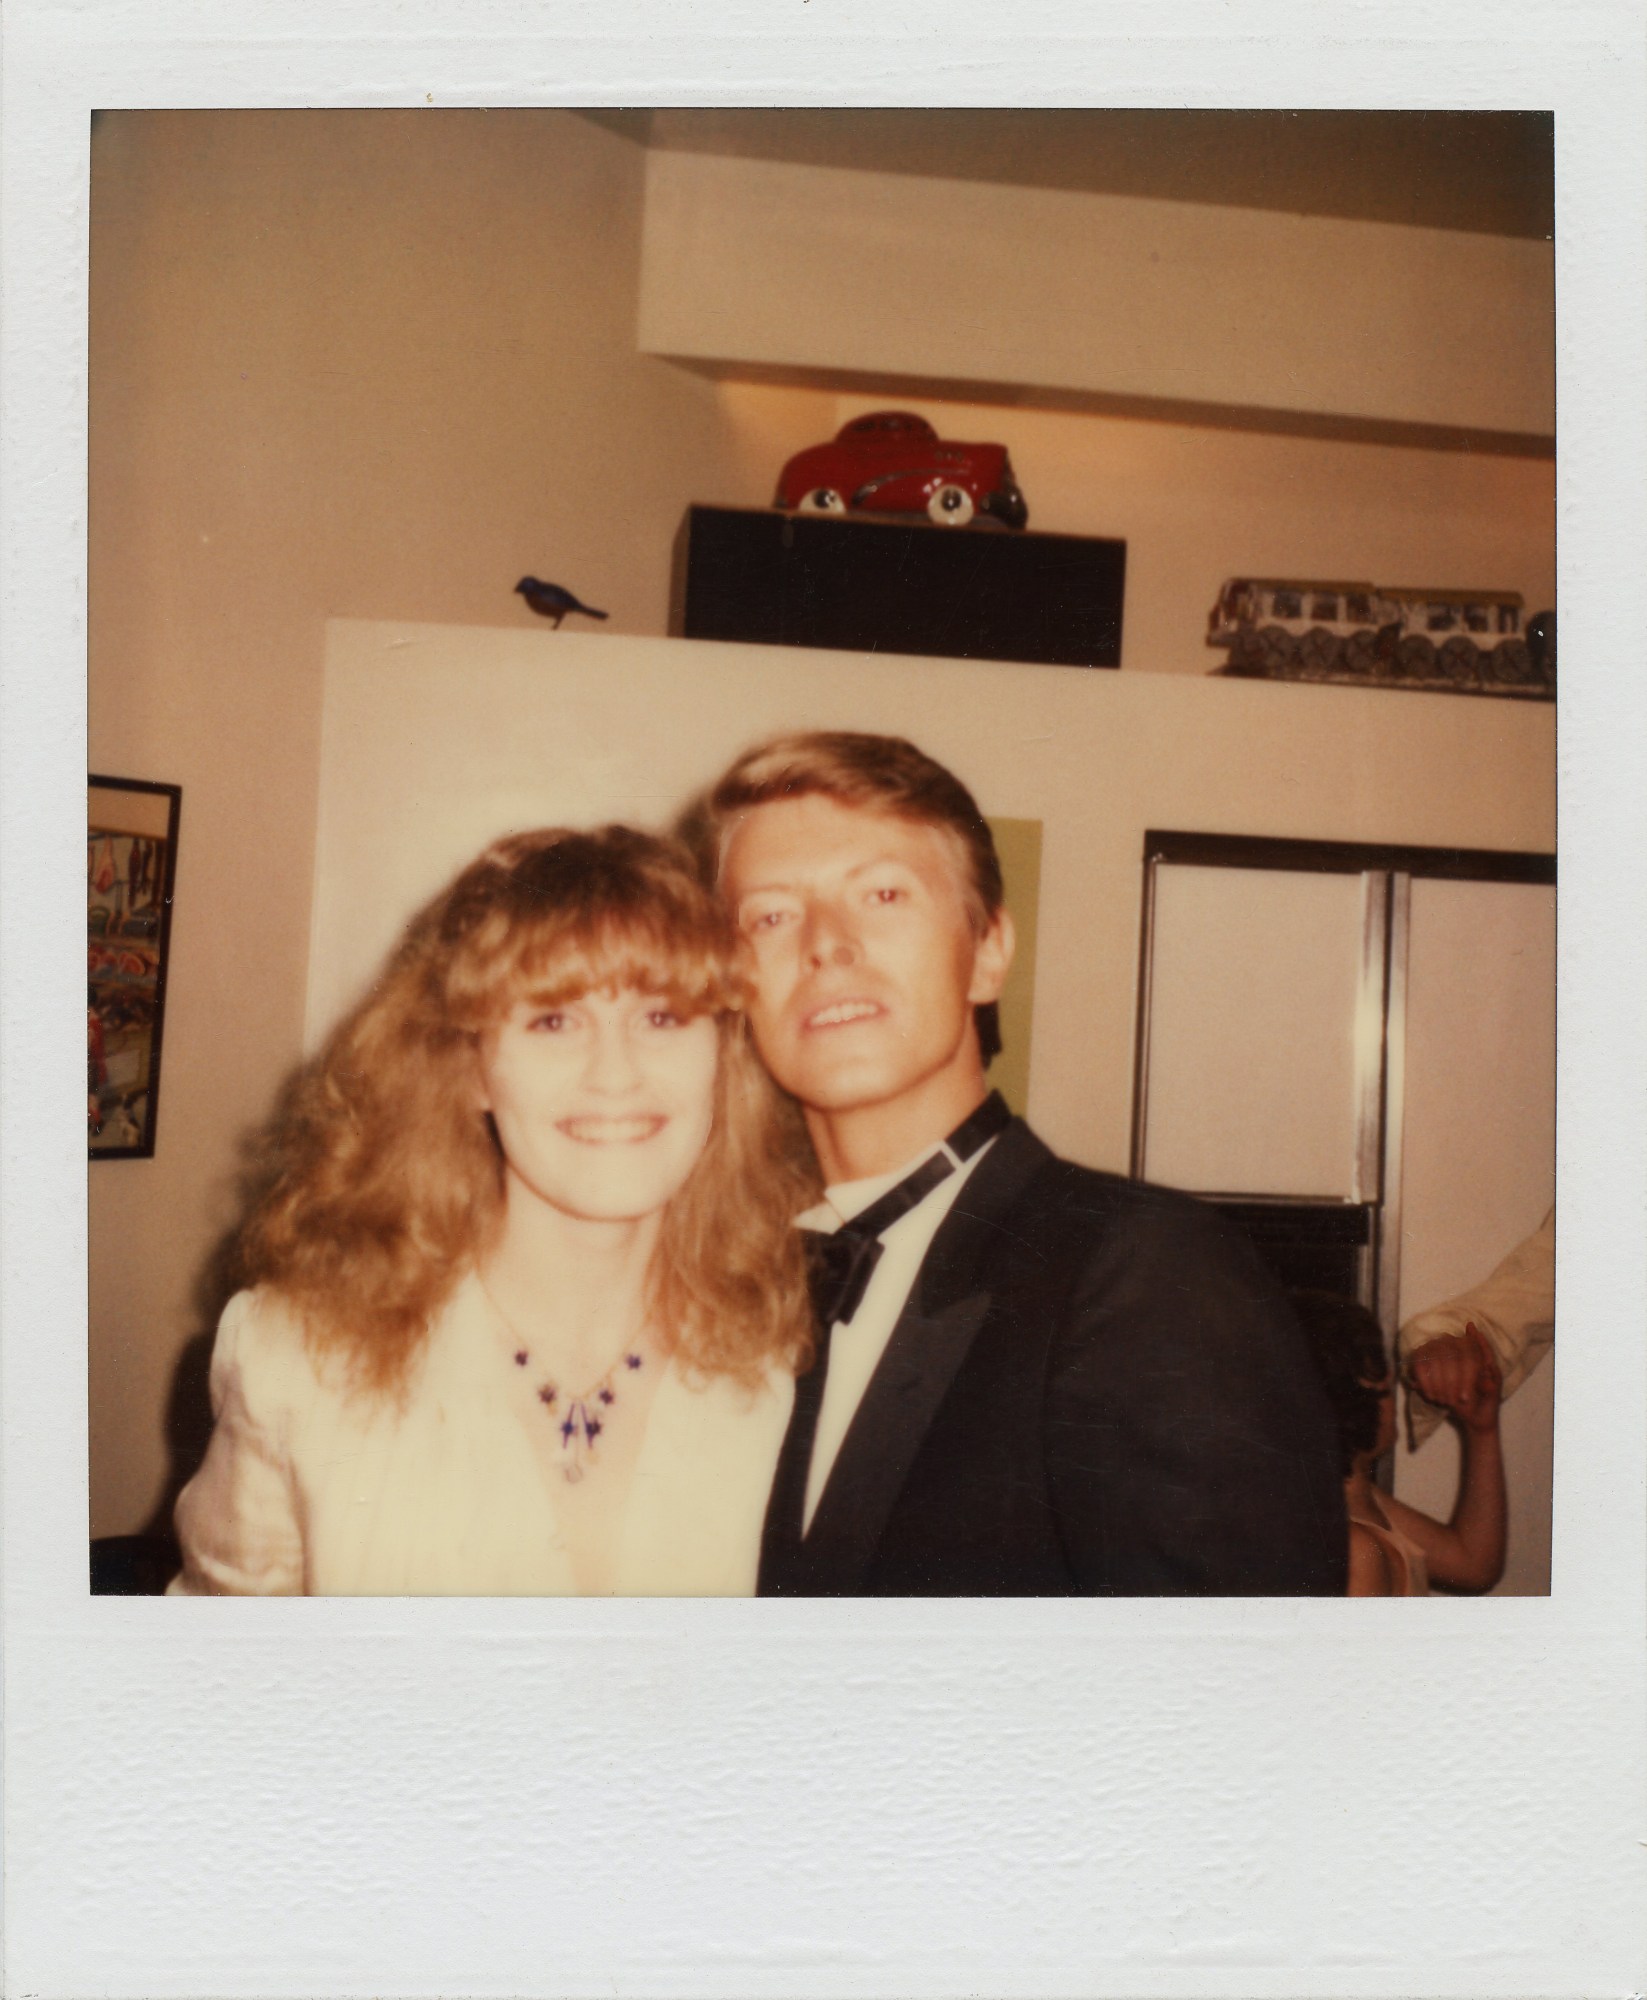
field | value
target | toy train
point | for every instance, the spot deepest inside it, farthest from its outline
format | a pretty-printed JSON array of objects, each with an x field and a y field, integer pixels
[{"x": 1289, "y": 629}]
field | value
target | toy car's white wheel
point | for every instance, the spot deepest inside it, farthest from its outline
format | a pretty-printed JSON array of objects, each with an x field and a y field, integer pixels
[
  {"x": 951, "y": 506},
  {"x": 822, "y": 500}
]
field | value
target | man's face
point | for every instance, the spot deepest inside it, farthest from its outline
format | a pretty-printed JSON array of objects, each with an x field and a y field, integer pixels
[{"x": 867, "y": 965}]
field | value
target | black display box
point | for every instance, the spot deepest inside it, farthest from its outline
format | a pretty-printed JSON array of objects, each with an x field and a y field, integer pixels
[{"x": 868, "y": 585}]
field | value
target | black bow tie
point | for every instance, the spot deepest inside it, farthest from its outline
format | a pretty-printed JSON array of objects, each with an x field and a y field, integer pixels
[{"x": 841, "y": 1263}]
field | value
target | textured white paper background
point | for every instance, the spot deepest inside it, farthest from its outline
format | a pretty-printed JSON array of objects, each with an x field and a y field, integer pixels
[{"x": 321, "y": 1799}]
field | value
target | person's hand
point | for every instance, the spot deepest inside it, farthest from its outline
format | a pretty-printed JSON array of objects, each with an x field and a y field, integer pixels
[{"x": 1461, "y": 1376}]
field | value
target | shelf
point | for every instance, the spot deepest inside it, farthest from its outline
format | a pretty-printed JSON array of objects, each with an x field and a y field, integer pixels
[{"x": 895, "y": 585}]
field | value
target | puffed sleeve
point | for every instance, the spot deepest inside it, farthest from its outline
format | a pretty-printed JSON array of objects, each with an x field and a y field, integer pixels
[
  {"x": 237, "y": 1519},
  {"x": 1514, "y": 1308}
]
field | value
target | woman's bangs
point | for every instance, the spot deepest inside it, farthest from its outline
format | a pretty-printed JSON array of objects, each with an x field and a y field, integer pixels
[{"x": 620, "y": 953}]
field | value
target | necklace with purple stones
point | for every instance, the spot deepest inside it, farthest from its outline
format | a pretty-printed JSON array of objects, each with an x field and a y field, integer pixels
[{"x": 580, "y": 1418}]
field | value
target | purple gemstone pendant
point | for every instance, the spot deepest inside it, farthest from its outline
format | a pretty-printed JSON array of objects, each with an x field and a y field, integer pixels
[{"x": 580, "y": 1418}]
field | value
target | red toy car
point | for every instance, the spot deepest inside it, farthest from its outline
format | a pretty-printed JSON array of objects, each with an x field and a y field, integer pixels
[{"x": 895, "y": 463}]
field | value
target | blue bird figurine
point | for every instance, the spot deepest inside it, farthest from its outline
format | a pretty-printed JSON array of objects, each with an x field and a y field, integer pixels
[{"x": 549, "y": 600}]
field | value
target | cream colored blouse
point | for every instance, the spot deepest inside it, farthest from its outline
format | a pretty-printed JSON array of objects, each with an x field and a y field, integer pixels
[{"x": 308, "y": 1488}]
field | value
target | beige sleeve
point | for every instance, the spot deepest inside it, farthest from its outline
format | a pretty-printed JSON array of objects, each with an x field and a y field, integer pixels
[
  {"x": 237, "y": 1519},
  {"x": 1514, "y": 1308}
]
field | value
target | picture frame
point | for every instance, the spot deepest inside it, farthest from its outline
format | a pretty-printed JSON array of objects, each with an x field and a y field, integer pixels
[{"x": 131, "y": 871}]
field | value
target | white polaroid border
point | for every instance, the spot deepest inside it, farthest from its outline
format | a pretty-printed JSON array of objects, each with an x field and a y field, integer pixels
[{"x": 1039, "y": 1798}]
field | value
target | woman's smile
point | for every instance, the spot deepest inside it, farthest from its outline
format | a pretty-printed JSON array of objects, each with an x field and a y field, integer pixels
[
  {"x": 599, "y": 1130},
  {"x": 602, "y": 1103}
]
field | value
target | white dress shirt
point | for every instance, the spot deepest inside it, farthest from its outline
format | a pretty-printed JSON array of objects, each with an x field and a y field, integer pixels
[{"x": 856, "y": 1347}]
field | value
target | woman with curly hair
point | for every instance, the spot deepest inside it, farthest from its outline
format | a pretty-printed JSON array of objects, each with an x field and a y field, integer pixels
[{"x": 524, "y": 1300}]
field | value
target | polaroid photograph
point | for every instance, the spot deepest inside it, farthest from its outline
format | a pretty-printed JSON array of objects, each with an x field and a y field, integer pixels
[{"x": 891, "y": 932}]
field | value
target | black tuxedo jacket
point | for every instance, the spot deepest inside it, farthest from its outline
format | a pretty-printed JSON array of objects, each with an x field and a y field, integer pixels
[{"x": 1094, "y": 1387}]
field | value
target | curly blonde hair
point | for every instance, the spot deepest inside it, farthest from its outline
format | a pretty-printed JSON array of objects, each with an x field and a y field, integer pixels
[{"x": 386, "y": 1182}]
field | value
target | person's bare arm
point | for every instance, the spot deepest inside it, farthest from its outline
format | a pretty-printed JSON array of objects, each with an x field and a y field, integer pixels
[
  {"x": 1514, "y": 1307},
  {"x": 1369, "y": 1566},
  {"x": 1462, "y": 1378}
]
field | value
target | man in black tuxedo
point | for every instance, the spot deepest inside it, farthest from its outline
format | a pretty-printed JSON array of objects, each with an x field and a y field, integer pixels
[{"x": 1032, "y": 1379}]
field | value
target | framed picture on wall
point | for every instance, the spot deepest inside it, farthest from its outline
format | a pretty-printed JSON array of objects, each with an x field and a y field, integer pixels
[{"x": 131, "y": 862}]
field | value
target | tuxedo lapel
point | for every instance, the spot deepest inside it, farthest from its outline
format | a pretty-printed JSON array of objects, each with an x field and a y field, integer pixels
[
  {"x": 920, "y": 1362},
  {"x": 929, "y": 1343}
]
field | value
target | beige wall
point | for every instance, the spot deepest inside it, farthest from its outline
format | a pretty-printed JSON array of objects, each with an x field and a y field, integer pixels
[
  {"x": 1196, "y": 505},
  {"x": 496, "y": 730},
  {"x": 372, "y": 363},
  {"x": 499, "y": 729},
  {"x": 763, "y": 263},
  {"x": 377, "y": 365},
  {"x": 1480, "y": 1123}
]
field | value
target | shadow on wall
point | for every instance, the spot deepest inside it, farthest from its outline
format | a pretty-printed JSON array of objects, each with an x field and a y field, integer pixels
[
  {"x": 189, "y": 1405},
  {"x": 141, "y": 1565}
]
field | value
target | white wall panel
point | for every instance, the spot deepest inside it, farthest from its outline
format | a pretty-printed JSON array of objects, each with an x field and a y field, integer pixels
[
  {"x": 437, "y": 737},
  {"x": 1478, "y": 1160},
  {"x": 1252, "y": 1018}
]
